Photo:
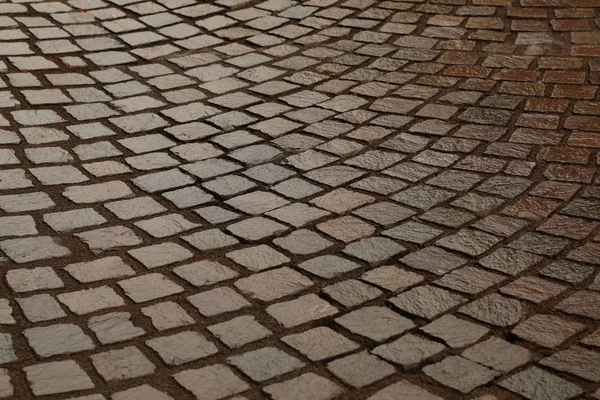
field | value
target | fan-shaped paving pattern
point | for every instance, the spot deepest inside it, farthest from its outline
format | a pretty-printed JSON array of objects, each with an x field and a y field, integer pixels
[{"x": 247, "y": 199}]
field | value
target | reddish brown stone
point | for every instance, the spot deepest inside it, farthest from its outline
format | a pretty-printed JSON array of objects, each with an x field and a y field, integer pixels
[
  {"x": 565, "y": 154},
  {"x": 570, "y": 25},
  {"x": 569, "y": 173},
  {"x": 574, "y": 91},
  {"x": 546, "y": 105},
  {"x": 521, "y": 12},
  {"x": 568, "y": 77},
  {"x": 523, "y": 89},
  {"x": 538, "y": 121},
  {"x": 585, "y": 50},
  {"x": 528, "y": 25},
  {"x": 467, "y": 71},
  {"x": 584, "y": 139},
  {"x": 517, "y": 75},
  {"x": 583, "y": 123}
]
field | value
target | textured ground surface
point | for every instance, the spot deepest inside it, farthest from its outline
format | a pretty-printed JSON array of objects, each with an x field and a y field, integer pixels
[{"x": 299, "y": 200}]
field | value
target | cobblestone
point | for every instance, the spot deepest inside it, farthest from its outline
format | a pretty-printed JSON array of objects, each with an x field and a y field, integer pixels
[{"x": 238, "y": 199}]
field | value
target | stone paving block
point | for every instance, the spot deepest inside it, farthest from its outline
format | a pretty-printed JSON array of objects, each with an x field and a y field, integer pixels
[
  {"x": 459, "y": 373},
  {"x": 114, "y": 327},
  {"x": 239, "y": 331},
  {"x": 273, "y": 284},
  {"x": 265, "y": 363},
  {"x": 211, "y": 383},
  {"x": 57, "y": 377},
  {"x": 301, "y": 310},
  {"x": 279, "y": 160},
  {"x": 360, "y": 369},
  {"x": 125, "y": 363},
  {"x": 375, "y": 323},
  {"x": 305, "y": 387},
  {"x": 58, "y": 339},
  {"x": 535, "y": 383},
  {"x": 149, "y": 287},
  {"x": 182, "y": 348}
]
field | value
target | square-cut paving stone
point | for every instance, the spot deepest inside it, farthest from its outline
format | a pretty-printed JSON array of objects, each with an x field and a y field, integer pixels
[
  {"x": 87, "y": 301},
  {"x": 125, "y": 363},
  {"x": 328, "y": 266},
  {"x": 114, "y": 327},
  {"x": 167, "y": 315},
  {"x": 110, "y": 238},
  {"x": 52, "y": 340},
  {"x": 298, "y": 214},
  {"x": 6, "y": 387},
  {"x": 257, "y": 228},
  {"x": 99, "y": 269},
  {"x": 25, "y": 202},
  {"x": 57, "y": 377},
  {"x": 139, "y": 392},
  {"x": 536, "y": 384},
  {"x": 7, "y": 351},
  {"x": 427, "y": 301},
  {"x": 273, "y": 284},
  {"x": 211, "y": 383},
  {"x": 460, "y": 374},
  {"x": 384, "y": 213},
  {"x": 305, "y": 387},
  {"x": 33, "y": 249},
  {"x": 239, "y": 331},
  {"x": 405, "y": 390},
  {"x": 69, "y": 220},
  {"x": 374, "y": 250},
  {"x": 301, "y": 310},
  {"x": 470, "y": 280},
  {"x": 218, "y": 301},
  {"x": 17, "y": 226},
  {"x": 392, "y": 278},
  {"x": 498, "y": 354},
  {"x": 360, "y": 369},
  {"x": 302, "y": 242},
  {"x": 210, "y": 239},
  {"x": 376, "y": 323},
  {"x": 433, "y": 259},
  {"x": 182, "y": 348},
  {"x": 454, "y": 331},
  {"x": 352, "y": 292},
  {"x": 166, "y": 225},
  {"x": 27, "y": 280},
  {"x": 134, "y": 208},
  {"x": 258, "y": 257},
  {"x": 6, "y": 311},
  {"x": 584, "y": 303},
  {"x": 40, "y": 307},
  {"x": 409, "y": 350},
  {"x": 98, "y": 192},
  {"x": 547, "y": 330},
  {"x": 495, "y": 309},
  {"x": 469, "y": 241},
  {"x": 149, "y": 287},
  {"x": 265, "y": 363},
  {"x": 320, "y": 343},
  {"x": 347, "y": 228},
  {"x": 256, "y": 203},
  {"x": 203, "y": 273},
  {"x": 576, "y": 361},
  {"x": 161, "y": 254}
]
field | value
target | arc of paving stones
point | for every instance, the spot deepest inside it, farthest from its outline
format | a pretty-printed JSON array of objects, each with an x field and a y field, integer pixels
[{"x": 320, "y": 199}]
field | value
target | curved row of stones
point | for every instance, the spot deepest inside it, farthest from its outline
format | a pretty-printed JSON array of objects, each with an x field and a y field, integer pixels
[{"x": 247, "y": 199}]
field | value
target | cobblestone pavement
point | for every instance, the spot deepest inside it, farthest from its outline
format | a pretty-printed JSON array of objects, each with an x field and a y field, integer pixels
[{"x": 299, "y": 200}]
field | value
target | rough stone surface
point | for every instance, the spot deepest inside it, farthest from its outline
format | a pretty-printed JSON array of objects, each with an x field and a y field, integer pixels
[{"x": 346, "y": 187}]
